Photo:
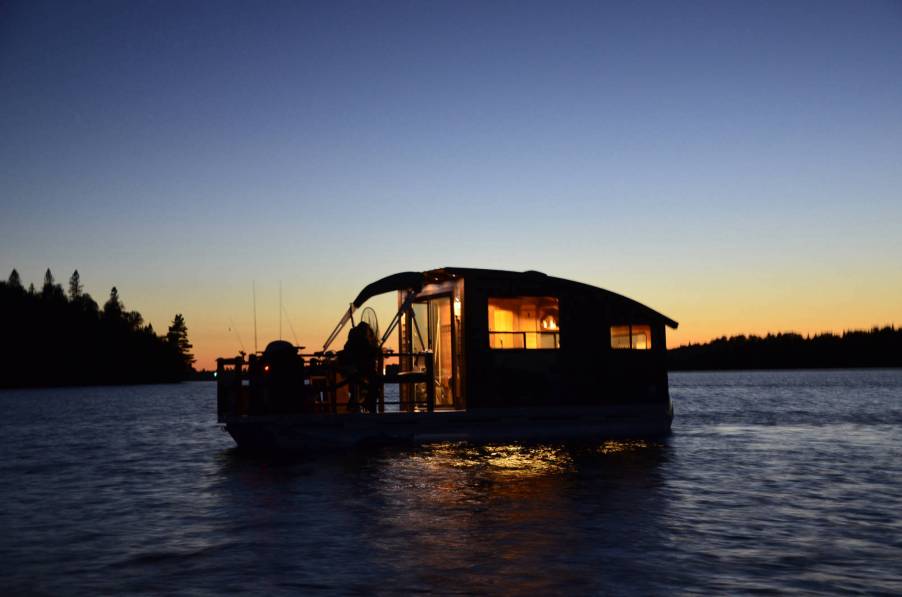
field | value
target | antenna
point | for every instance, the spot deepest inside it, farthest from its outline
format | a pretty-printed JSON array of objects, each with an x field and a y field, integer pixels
[
  {"x": 237, "y": 335},
  {"x": 254, "y": 291},
  {"x": 290, "y": 327},
  {"x": 280, "y": 309}
]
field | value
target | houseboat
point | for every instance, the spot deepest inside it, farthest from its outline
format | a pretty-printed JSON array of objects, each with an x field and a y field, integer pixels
[{"x": 482, "y": 355}]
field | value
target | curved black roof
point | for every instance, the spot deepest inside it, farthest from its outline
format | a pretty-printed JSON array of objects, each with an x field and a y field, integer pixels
[
  {"x": 400, "y": 281},
  {"x": 416, "y": 281},
  {"x": 551, "y": 283}
]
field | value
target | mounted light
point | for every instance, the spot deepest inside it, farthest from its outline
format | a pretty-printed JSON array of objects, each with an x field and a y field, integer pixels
[{"x": 457, "y": 307}]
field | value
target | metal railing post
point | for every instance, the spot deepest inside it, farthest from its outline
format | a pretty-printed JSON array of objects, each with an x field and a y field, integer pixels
[{"x": 430, "y": 382}]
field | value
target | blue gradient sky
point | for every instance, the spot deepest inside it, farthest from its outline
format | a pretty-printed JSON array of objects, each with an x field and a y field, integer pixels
[{"x": 736, "y": 165}]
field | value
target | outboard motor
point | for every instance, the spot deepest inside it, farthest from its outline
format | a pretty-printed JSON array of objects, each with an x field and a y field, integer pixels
[
  {"x": 361, "y": 361},
  {"x": 282, "y": 377}
]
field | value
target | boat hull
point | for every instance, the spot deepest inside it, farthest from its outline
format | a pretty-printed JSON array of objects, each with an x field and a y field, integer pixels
[{"x": 318, "y": 432}]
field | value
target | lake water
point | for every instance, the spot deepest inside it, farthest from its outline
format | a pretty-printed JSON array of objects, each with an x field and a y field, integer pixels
[{"x": 771, "y": 481}]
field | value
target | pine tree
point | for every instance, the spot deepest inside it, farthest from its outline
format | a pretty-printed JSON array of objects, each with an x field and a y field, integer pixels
[
  {"x": 134, "y": 319},
  {"x": 75, "y": 287},
  {"x": 51, "y": 290},
  {"x": 14, "y": 280},
  {"x": 113, "y": 307},
  {"x": 178, "y": 337}
]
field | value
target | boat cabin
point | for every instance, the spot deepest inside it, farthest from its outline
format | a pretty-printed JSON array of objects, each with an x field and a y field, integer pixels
[
  {"x": 504, "y": 339},
  {"x": 468, "y": 339}
]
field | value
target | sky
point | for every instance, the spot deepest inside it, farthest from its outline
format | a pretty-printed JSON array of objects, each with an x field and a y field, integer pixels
[{"x": 736, "y": 166}]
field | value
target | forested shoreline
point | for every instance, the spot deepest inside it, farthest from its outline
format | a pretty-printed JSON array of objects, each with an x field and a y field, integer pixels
[
  {"x": 878, "y": 347},
  {"x": 53, "y": 337}
]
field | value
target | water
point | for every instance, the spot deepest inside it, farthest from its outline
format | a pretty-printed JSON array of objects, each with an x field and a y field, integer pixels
[{"x": 772, "y": 481}]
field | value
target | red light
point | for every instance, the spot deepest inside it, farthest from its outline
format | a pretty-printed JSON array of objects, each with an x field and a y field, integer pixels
[{"x": 266, "y": 368}]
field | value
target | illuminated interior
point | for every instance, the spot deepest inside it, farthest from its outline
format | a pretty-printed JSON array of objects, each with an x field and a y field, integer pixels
[
  {"x": 631, "y": 337},
  {"x": 432, "y": 331},
  {"x": 524, "y": 322}
]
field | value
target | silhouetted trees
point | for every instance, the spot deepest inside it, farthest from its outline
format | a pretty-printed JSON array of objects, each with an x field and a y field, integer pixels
[
  {"x": 75, "y": 286},
  {"x": 52, "y": 291},
  {"x": 178, "y": 338},
  {"x": 14, "y": 280},
  {"x": 879, "y": 347},
  {"x": 49, "y": 338},
  {"x": 112, "y": 309}
]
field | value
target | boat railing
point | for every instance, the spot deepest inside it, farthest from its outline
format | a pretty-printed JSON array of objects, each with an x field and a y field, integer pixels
[
  {"x": 413, "y": 376},
  {"x": 519, "y": 340},
  {"x": 231, "y": 386},
  {"x": 241, "y": 391}
]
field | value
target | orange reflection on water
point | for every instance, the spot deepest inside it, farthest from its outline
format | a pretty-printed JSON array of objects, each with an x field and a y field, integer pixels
[
  {"x": 621, "y": 446},
  {"x": 475, "y": 513},
  {"x": 508, "y": 460},
  {"x": 520, "y": 461}
]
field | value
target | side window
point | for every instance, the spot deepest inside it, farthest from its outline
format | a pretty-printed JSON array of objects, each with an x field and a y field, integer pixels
[
  {"x": 524, "y": 322},
  {"x": 631, "y": 337}
]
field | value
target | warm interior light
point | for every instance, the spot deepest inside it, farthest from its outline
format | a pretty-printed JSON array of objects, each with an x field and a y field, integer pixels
[
  {"x": 635, "y": 337},
  {"x": 523, "y": 322},
  {"x": 457, "y": 307},
  {"x": 504, "y": 321}
]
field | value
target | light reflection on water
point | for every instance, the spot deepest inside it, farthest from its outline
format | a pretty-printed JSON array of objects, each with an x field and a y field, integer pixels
[
  {"x": 518, "y": 518},
  {"x": 111, "y": 490}
]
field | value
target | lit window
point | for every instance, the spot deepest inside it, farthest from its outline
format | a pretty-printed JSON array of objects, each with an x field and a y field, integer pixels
[
  {"x": 620, "y": 336},
  {"x": 635, "y": 337},
  {"x": 524, "y": 322}
]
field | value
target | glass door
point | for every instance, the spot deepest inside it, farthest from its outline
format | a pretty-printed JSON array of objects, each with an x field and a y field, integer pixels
[{"x": 440, "y": 341}]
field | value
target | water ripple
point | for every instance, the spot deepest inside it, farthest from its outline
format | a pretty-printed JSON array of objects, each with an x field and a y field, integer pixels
[{"x": 772, "y": 481}]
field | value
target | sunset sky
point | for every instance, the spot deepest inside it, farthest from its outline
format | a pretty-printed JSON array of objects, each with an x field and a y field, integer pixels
[{"x": 734, "y": 165}]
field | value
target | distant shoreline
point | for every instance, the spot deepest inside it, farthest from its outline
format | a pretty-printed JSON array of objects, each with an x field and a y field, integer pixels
[
  {"x": 775, "y": 369},
  {"x": 197, "y": 376},
  {"x": 211, "y": 379},
  {"x": 857, "y": 349}
]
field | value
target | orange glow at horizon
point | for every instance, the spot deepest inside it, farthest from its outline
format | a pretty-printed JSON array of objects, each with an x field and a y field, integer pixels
[
  {"x": 209, "y": 330},
  {"x": 210, "y": 346}
]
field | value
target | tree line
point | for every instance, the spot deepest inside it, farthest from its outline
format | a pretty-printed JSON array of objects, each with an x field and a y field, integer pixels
[
  {"x": 878, "y": 347},
  {"x": 53, "y": 337}
]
